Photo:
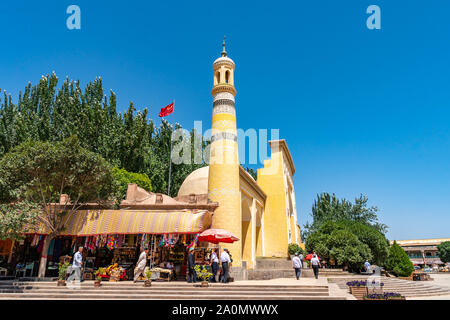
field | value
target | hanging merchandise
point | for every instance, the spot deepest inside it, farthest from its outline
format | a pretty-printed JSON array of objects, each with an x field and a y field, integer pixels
[
  {"x": 35, "y": 241},
  {"x": 41, "y": 244},
  {"x": 93, "y": 243},
  {"x": 111, "y": 242},
  {"x": 120, "y": 241},
  {"x": 163, "y": 241},
  {"x": 143, "y": 239},
  {"x": 193, "y": 243}
]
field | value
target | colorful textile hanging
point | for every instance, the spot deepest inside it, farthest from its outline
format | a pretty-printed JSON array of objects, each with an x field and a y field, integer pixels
[
  {"x": 193, "y": 243},
  {"x": 111, "y": 242}
]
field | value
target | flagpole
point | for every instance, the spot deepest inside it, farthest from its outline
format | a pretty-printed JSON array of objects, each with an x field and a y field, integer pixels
[{"x": 170, "y": 158}]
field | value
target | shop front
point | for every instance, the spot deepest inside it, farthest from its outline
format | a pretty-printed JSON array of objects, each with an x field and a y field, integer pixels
[{"x": 113, "y": 239}]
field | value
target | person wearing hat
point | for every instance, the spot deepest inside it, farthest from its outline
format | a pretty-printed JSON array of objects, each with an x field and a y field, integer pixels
[
  {"x": 226, "y": 260},
  {"x": 140, "y": 265},
  {"x": 297, "y": 265},
  {"x": 192, "y": 276}
]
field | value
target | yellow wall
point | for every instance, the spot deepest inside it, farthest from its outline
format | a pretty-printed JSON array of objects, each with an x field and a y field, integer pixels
[{"x": 270, "y": 179}]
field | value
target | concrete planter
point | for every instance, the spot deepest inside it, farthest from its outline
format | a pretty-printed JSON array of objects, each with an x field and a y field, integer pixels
[
  {"x": 205, "y": 284},
  {"x": 359, "y": 292}
]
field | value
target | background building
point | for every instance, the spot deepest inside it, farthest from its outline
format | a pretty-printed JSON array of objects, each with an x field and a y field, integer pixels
[{"x": 422, "y": 252}]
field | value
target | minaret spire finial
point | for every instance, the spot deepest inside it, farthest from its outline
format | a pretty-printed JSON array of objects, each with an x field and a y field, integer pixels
[{"x": 224, "y": 53}]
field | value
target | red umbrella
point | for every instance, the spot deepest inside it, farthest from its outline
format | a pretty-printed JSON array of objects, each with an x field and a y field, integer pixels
[
  {"x": 217, "y": 235},
  {"x": 309, "y": 256}
]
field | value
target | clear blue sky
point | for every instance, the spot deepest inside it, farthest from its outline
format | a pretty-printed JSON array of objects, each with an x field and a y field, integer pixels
[{"x": 362, "y": 110}]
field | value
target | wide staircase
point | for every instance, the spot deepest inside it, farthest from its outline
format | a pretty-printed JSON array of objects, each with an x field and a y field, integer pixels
[
  {"x": 406, "y": 287},
  {"x": 266, "y": 269},
  {"x": 163, "y": 290}
]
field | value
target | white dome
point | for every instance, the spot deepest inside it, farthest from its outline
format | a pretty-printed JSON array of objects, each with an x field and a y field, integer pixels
[
  {"x": 223, "y": 59},
  {"x": 195, "y": 183}
]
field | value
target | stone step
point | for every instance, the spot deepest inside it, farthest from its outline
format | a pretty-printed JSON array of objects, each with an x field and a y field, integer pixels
[
  {"x": 200, "y": 291},
  {"x": 167, "y": 285},
  {"x": 167, "y": 289},
  {"x": 156, "y": 297}
]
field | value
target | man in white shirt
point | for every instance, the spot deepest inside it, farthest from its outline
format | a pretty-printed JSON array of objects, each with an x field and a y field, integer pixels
[
  {"x": 225, "y": 259},
  {"x": 315, "y": 264},
  {"x": 140, "y": 265},
  {"x": 367, "y": 265},
  {"x": 76, "y": 266},
  {"x": 297, "y": 265},
  {"x": 214, "y": 264}
]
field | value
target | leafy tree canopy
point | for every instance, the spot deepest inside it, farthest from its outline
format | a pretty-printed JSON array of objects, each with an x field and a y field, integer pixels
[
  {"x": 38, "y": 173},
  {"x": 329, "y": 208},
  {"x": 123, "y": 178},
  {"x": 130, "y": 140},
  {"x": 335, "y": 242},
  {"x": 444, "y": 251}
]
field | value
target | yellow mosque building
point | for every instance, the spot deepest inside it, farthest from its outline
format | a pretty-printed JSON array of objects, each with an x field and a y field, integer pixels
[{"x": 261, "y": 213}]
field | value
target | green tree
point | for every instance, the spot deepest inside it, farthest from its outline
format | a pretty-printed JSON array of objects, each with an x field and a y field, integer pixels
[
  {"x": 444, "y": 251},
  {"x": 130, "y": 140},
  {"x": 373, "y": 238},
  {"x": 15, "y": 216},
  {"x": 329, "y": 208},
  {"x": 123, "y": 178},
  {"x": 40, "y": 172},
  {"x": 333, "y": 241},
  {"x": 398, "y": 261}
]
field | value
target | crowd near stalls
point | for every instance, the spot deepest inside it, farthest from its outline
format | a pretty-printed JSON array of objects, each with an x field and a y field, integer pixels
[{"x": 113, "y": 239}]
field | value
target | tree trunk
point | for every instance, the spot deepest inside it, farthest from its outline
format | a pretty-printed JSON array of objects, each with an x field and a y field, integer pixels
[{"x": 43, "y": 263}]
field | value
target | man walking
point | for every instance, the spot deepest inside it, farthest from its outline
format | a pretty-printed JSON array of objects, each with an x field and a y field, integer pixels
[
  {"x": 214, "y": 264},
  {"x": 140, "y": 265},
  {"x": 315, "y": 264},
  {"x": 76, "y": 266},
  {"x": 297, "y": 265},
  {"x": 192, "y": 276},
  {"x": 225, "y": 259},
  {"x": 367, "y": 266}
]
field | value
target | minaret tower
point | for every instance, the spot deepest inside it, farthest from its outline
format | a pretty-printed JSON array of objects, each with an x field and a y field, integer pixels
[{"x": 223, "y": 183}]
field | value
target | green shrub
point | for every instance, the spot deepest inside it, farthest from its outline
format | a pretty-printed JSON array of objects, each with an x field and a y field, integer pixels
[
  {"x": 62, "y": 270},
  {"x": 294, "y": 248},
  {"x": 398, "y": 261},
  {"x": 123, "y": 178}
]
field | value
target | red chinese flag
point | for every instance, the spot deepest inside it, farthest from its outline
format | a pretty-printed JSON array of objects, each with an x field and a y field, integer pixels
[{"x": 166, "y": 110}]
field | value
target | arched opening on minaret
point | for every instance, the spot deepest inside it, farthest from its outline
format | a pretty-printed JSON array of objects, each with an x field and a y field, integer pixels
[
  {"x": 217, "y": 77},
  {"x": 227, "y": 76}
]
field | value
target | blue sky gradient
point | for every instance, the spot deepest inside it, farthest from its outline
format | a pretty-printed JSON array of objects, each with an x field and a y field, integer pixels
[{"x": 363, "y": 111}]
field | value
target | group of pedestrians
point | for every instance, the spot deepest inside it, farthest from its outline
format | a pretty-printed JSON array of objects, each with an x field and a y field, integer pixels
[
  {"x": 297, "y": 264},
  {"x": 225, "y": 260}
]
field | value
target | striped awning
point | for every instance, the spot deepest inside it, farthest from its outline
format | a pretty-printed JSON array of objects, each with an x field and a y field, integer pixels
[{"x": 96, "y": 222}]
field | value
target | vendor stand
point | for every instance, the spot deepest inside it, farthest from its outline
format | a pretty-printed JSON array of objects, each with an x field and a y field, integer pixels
[{"x": 215, "y": 236}]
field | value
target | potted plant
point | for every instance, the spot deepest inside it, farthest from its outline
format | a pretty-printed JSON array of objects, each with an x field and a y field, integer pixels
[
  {"x": 358, "y": 288},
  {"x": 384, "y": 296},
  {"x": 394, "y": 296},
  {"x": 98, "y": 277},
  {"x": 148, "y": 281},
  {"x": 203, "y": 274},
  {"x": 62, "y": 273}
]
